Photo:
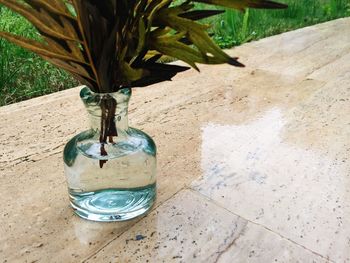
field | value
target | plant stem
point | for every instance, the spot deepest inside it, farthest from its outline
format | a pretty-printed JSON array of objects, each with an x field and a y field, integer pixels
[{"x": 108, "y": 126}]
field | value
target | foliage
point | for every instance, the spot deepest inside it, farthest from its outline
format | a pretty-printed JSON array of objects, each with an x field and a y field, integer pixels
[
  {"x": 229, "y": 29},
  {"x": 24, "y": 75},
  {"x": 111, "y": 44}
]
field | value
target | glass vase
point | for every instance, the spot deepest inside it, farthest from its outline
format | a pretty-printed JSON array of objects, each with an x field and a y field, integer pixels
[{"x": 110, "y": 168}]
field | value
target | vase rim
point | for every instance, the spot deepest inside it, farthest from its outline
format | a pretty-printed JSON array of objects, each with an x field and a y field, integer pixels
[
  {"x": 86, "y": 93},
  {"x": 124, "y": 91}
]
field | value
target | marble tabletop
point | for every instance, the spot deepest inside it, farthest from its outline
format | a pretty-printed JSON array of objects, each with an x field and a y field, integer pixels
[{"x": 253, "y": 163}]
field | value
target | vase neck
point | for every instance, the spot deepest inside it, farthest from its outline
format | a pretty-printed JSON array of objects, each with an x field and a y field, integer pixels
[
  {"x": 119, "y": 121},
  {"x": 108, "y": 112}
]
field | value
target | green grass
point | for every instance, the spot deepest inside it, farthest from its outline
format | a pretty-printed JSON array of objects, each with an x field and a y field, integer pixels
[
  {"x": 234, "y": 28},
  {"x": 24, "y": 75}
]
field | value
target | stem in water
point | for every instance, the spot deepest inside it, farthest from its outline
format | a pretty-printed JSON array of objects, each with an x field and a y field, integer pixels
[{"x": 108, "y": 126}]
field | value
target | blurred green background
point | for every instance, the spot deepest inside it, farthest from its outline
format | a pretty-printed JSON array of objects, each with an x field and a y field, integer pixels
[{"x": 24, "y": 75}]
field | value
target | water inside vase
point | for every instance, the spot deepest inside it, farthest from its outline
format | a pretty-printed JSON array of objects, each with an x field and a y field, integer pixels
[
  {"x": 123, "y": 188},
  {"x": 113, "y": 204}
]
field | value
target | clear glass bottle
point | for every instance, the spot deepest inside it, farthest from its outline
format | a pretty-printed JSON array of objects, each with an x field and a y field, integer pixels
[{"x": 112, "y": 179}]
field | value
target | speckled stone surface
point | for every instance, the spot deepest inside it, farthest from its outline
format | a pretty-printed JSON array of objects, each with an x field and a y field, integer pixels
[
  {"x": 200, "y": 231},
  {"x": 253, "y": 163}
]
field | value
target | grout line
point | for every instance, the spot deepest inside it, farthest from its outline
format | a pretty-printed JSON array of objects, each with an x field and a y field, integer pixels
[
  {"x": 131, "y": 226},
  {"x": 313, "y": 70},
  {"x": 255, "y": 223}
]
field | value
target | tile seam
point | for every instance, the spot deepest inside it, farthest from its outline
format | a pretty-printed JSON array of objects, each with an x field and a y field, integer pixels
[
  {"x": 98, "y": 250},
  {"x": 263, "y": 226}
]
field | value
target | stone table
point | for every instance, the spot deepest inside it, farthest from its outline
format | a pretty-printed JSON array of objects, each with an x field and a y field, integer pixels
[{"x": 253, "y": 163}]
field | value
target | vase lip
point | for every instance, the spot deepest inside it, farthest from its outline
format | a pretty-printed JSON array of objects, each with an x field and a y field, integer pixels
[{"x": 122, "y": 95}]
